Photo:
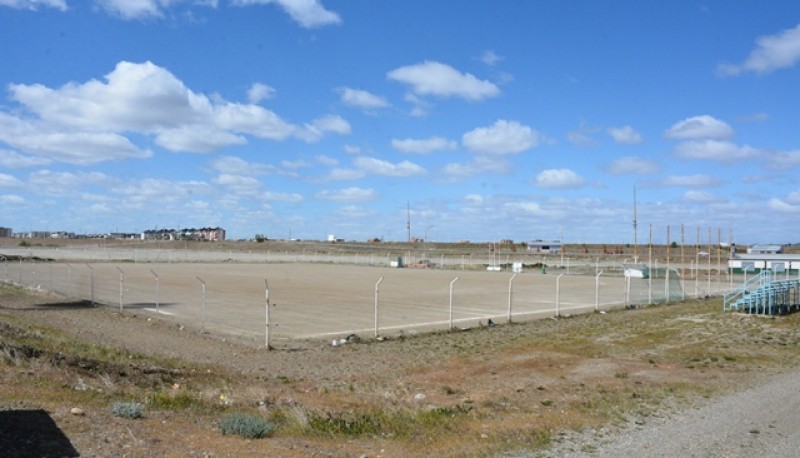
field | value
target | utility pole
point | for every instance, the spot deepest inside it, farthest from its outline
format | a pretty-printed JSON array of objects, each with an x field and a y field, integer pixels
[{"x": 635, "y": 231}]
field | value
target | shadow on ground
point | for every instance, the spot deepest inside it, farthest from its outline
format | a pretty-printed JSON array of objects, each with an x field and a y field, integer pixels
[{"x": 27, "y": 433}]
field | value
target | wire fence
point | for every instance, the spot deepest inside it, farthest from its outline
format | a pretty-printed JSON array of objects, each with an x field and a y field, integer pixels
[{"x": 293, "y": 298}]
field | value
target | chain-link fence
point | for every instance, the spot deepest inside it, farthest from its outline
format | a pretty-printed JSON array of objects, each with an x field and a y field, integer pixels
[{"x": 328, "y": 298}]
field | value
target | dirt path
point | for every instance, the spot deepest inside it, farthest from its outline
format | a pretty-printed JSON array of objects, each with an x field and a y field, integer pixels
[{"x": 760, "y": 421}]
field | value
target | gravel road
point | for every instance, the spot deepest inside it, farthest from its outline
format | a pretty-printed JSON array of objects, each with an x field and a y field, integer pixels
[{"x": 760, "y": 421}]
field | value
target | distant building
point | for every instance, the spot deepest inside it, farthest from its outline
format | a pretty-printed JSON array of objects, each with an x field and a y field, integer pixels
[
  {"x": 765, "y": 249},
  {"x": 212, "y": 234},
  {"x": 545, "y": 246},
  {"x": 6, "y": 232}
]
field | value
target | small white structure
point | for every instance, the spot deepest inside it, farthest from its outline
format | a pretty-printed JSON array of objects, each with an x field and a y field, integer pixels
[
  {"x": 331, "y": 238},
  {"x": 516, "y": 267},
  {"x": 545, "y": 246}
]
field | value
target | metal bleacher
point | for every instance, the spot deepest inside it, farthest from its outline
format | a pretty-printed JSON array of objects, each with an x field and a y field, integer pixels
[{"x": 760, "y": 294}]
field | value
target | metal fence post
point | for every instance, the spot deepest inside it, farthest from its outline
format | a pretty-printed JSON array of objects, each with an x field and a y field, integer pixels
[
  {"x": 121, "y": 289},
  {"x": 91, "y": 280},
  {"x": 597, "y": 291},
  {"x": 203, "y": 303},
  {"x": 558, "y": 295},
  {"x": 158, "y": 310},
  {"x": 266, "y": 308},
  {"x": 510, "y": 292},
  {"x": 376, "y": 305},
  {"x": 451, "y": 301},
  {"x": 69, "y": 280}
]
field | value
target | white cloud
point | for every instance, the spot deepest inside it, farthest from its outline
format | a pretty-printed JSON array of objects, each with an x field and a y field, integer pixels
[
  {"x": 307, "y": 13},
  {"x": 8, "y": 181},
  {"x": 481, "y": 164},
  {"x": 558, "y": 179},
  {"x": 351, "y": 149},
  {"x": 283, "y": 197},
  {"x": 352, "y": 194},
  {"x": 314, "y": 131},
  {"x": 197, "y": 139},
  {"x": 697, "y": 127},
  {"x": 773, "y": 52},
  {"x": 697, "y": 180},
  {"x": 133, "y": 9},
  {"x": 714, "y": 150},
  {"x": 424, "y": 146},
  {"x": 626, "y": 134},
  {"x": 140, "y": 99},
  {"x": 33, "y": 5},
  {"x": 233, "y": 165},
  {"x": 361, "y": 99},
  {"x": 238, "y": 183},
  {"x": 781, "y": 206},
  {"x": 326, "y": 160},
  {"x": 583, "y": 135},
  {"x": 259, "y": 92},
  {"x": 504, "y": 137},
  {"x": 490, "y": 58},
  {"x": 530, "y": 208},
  {"x": 342, "y": 174},
  {"x": 14, "y": 160},
  {"x": 701, "y": 197},
  {"x": 437, "y": 79},
  {"x": 47, "y": 182},
  {"x": 380, "y": 167},
  {"x": 82, "y": 148},
  {"x": 783, "y": 161},
  {"x": 11, "y": 199},
  {"x": 632, "y": 164}
]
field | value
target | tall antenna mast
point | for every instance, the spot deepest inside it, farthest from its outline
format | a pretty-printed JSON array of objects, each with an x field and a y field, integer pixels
[
  {"x": 635, "y": 231},
  {"x": 408, "y": 220}
]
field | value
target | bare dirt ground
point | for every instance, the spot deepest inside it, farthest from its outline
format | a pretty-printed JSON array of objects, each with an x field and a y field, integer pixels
[{"x": 498, "y": 390}]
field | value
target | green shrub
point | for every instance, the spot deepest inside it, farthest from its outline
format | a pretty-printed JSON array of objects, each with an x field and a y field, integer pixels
[
  {"x": 247, "y": 426},
  {"x": 127, "y": 409}
]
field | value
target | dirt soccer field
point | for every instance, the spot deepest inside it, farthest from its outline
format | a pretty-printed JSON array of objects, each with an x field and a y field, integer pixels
[{"x": 320, "y": 300}]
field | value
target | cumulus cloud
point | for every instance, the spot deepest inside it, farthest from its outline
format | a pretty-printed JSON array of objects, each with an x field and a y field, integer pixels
[
  {"x": 625, "y": 134},
  {"x": 353, "y": 194},
  {"x": 632, "y": 164},
  {"x": 424, "y": 146},
  {"x": 438, "y": 79},
  {"x": 361, "y": 99},
  {"x": 696, "y": 127},
  {"x": 558, "y": 179},
  {"x": 380, "y": 167},
  {"x": 772, "y": 52},
  {"x": 504, "y": 137},
  {"x": 283, "y": 197},
  {"x": 259, "y": 92},
  {"x": 34, "y": 5},
  {"x": 197, "y": 139},
  {"x": 714, "y": 150},
  {"x": 307, "y": 13},
  {"x": 140, "y": 98}
]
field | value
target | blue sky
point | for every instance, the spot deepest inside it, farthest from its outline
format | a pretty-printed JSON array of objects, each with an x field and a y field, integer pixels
[{"x": 491, "y": 120}]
